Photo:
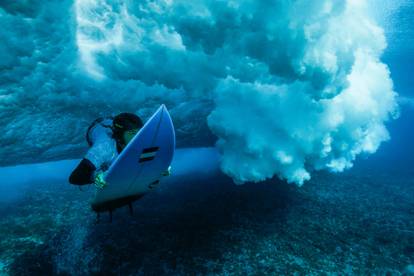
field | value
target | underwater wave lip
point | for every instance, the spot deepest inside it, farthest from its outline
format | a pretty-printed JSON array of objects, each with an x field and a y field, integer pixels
[{"x": 308, "y": 76}]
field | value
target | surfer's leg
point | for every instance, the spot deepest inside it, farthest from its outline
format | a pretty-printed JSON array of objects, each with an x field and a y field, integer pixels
[{"x": 83, "y": 174}]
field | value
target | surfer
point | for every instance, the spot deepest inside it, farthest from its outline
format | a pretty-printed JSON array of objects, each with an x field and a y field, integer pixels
[{"x": 106, "y": 138}]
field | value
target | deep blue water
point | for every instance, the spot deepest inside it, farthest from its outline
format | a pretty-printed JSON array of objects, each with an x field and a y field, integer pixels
[{"x": 398, "y": 153}]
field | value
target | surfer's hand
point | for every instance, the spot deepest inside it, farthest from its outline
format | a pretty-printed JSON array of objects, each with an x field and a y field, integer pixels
[
  {"x": 167, "y": 172},
  {"x": 100, "y": 180}
]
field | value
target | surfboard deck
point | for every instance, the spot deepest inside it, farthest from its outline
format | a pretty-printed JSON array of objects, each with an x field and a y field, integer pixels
[{"x": 139, "y": 167}]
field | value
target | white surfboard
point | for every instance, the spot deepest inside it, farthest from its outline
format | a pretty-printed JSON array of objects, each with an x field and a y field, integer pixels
[{"x": 139, "y": 167}]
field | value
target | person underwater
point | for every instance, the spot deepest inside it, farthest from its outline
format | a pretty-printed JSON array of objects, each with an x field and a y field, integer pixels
[{"x": 106, "y": 138}]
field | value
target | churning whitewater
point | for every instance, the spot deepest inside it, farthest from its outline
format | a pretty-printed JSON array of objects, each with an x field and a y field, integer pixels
[{"x": 307, "y": 75}]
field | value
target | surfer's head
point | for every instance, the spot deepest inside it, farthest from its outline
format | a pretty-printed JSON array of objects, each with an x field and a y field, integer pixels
[{"x": 125, "y": 126}]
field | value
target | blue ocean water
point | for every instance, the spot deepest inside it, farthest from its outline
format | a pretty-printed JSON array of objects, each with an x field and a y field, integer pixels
[{"x": 310, "y": 106}]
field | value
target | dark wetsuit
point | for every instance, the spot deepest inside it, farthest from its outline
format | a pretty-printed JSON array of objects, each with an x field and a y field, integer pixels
[{"x": 83, "y": 174}]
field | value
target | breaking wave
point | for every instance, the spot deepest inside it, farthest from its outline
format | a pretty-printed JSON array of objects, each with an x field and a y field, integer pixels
[{"x": 287, "y": 87}]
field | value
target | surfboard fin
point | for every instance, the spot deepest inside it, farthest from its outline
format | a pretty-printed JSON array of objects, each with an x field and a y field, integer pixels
[{"x": 131, "y": 209}]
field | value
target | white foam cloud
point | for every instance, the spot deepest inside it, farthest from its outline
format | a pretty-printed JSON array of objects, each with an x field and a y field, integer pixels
[
  {"x": 288, "y": 86},
  {"x": 289, "y": 129}
]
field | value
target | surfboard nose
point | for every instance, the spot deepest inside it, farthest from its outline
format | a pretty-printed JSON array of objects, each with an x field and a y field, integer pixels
[{"x": 163, "y": 107}]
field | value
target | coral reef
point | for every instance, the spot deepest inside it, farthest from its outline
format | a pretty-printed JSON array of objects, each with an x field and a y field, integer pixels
[{"x": 360, "y": 222}]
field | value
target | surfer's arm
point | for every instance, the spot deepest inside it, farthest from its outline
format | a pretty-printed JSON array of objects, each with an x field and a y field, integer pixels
[{"x": 83, "y": 174}]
